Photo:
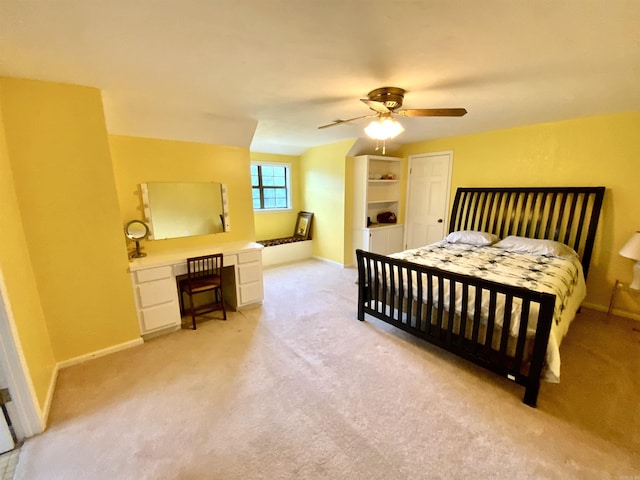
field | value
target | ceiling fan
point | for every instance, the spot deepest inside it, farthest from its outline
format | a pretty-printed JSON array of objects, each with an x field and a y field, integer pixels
[{"x": 386, "y": 101}]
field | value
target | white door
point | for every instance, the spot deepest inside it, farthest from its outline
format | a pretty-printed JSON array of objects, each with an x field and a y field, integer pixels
[
  {"x": 428, "y": 191},
  {"x": 6, "y": 439},
  {"x": 23, "y": 408}
]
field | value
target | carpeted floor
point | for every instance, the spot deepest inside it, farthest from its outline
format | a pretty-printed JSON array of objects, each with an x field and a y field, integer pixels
[{"x": 299, "y": 389}]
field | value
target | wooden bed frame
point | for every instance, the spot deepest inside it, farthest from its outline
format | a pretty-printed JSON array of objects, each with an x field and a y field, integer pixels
[{"x": 565, "y": 214}]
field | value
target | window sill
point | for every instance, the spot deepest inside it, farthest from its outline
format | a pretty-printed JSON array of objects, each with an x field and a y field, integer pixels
[{"x": 273, "y": 210}]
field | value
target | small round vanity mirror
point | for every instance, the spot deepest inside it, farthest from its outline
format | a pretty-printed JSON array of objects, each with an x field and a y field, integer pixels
[{"x": 136, "y": 230}]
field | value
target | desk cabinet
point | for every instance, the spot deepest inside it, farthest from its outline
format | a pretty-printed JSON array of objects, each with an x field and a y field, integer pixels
[
  {"x": 250, "y": 277},
  {"x": 156, "y": 291},
  {"x": 156, "y": 299}
]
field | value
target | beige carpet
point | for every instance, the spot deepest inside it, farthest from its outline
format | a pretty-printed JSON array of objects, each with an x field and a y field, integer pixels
[{"x": 299, "y": 389}]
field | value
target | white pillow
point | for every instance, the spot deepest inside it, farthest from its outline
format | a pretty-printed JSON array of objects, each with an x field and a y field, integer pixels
[
  {"x": 535, "y": 246},
  {"x": 471, "y": 237}
]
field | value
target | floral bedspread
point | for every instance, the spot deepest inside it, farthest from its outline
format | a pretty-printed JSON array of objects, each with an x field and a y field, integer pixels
[{"x": 561, "y": 276}]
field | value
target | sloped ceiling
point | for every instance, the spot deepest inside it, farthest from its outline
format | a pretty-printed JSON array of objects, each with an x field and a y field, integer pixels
[{"x": 267, "y": 73}]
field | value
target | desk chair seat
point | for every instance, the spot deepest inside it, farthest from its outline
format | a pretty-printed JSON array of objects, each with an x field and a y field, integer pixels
[{"x": 204, "y": 274}]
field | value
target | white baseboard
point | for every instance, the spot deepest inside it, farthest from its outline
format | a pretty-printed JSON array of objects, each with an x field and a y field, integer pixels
[
  {"x": 593, "y": 306},
  {"x": 332, "y": 262},
  {"x": 50, "y": 392},
  {"x": 615, "y": 311},
  {"x": 100, "y": 353}
]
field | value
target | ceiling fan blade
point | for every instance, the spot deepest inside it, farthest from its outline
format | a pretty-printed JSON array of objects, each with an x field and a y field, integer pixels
[
  {"x": 339, "y": 122},
  {"x": 432, "y": 112},
  {"x": 377, "y": 106}
]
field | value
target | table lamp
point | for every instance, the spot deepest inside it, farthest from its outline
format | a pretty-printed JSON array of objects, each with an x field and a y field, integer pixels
[{"x": 631, "y": 250}]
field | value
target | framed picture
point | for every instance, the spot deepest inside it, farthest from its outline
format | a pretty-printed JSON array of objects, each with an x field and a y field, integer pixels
[{"x": 303, "y": 225}]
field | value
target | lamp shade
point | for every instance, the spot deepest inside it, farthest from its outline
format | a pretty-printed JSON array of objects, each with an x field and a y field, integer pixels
[
  {"x": 384, "y": 128},
  {"x": 631, "y": 249}
]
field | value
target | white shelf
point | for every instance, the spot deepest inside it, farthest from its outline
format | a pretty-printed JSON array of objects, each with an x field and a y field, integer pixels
[
  {"x": 383, "y": 225},
  {"x": 374, "y": 194}
]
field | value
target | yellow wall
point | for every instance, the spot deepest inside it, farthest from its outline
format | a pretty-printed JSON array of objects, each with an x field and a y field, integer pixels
[
  {"x": 139, "y": 160},
  {"x": 601, "y": 150},
  {"x": 348, "y": 251},
  {"x": 279, "y": 224},
  {"x": 323, "y": 173},
  {"x": 67, "y": 188},
  {"x": 58, "y": 152},
  {"x": 22, "y": 301}
]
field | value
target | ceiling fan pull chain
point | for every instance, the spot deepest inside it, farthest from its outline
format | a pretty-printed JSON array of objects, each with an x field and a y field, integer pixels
[{"x": 384, "y": 146}]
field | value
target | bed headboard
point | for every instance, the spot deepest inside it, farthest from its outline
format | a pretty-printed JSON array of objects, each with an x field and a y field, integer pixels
[{"x": 565, "y": 214}]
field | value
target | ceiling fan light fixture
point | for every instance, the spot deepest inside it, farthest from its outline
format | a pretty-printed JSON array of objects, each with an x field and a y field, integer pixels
[{"x": 384, "y": 128}]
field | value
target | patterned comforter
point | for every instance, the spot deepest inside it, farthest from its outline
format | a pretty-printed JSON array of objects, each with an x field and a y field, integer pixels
[{"x": 561, "y": 276}]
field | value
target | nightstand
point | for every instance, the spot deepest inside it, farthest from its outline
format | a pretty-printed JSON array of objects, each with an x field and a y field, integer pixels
[{"x": 618, "y": 287}]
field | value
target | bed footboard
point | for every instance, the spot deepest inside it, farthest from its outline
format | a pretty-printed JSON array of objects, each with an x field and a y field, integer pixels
[{"x": 450, "y": 310}]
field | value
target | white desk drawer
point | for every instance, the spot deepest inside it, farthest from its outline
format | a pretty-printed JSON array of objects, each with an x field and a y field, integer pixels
[
  {"x": 246, "y": 257},
  {"x": 154, "y": 293},
  {"x": 249, "y": 273},
  {"x": 151, "y": 274},
  {"x": 251, "y": 293},
  {"x": 160, "y": 316}
]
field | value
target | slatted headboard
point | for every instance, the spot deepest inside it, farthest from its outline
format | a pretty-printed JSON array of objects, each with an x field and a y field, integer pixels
[{"x": 565, "y": 214}]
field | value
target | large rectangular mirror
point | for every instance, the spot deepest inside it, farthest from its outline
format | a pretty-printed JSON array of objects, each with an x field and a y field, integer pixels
[{"x": 174, "y": 209}]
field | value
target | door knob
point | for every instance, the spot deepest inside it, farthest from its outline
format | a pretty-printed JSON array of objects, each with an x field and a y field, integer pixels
[{"x": 439, "y": 220}]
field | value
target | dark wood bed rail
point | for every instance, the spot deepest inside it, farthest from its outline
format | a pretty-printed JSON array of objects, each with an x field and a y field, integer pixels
[
  {"x": 554, "y": 213},
  {"x": 382, "y": 294}
]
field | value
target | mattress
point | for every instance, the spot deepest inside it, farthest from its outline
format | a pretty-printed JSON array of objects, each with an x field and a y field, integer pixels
[{"x": 561, "y": 276}]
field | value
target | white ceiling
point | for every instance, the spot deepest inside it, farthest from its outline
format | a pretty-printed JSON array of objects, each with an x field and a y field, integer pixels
[{"x": 267, "y": 73}]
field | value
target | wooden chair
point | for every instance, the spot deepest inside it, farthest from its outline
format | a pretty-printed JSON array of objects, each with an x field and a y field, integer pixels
[{"x": 204, "y": 274}]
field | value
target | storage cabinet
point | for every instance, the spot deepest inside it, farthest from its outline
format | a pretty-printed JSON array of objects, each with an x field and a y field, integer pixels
[
  {"x": 376, "y": 190},
  {"x": 385, "y": 239}
]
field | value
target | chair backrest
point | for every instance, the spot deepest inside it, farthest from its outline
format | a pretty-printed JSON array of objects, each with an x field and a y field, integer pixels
[{"x": 204, "y": 267}]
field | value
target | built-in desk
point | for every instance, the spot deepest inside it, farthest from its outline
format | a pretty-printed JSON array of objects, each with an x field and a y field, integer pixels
[{"x": 156, "y": 292}]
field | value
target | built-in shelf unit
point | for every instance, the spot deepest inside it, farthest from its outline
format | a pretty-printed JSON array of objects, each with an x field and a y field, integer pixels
[{"x": 376, "y": 190}]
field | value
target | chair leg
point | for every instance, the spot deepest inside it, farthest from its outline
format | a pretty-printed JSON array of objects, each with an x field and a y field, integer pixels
[
  {"x": 193, "y": 314},
  {"x": 224, "y": 311}
]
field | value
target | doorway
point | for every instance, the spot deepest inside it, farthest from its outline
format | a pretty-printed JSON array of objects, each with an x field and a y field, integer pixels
[
  {"x": 7, "y": 434},
  {"x": 428, "y": 191},
  {"x": 22, "y": 410}
]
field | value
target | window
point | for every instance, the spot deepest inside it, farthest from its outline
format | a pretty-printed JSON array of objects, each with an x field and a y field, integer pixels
[{"x": 270, "y": 186}]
